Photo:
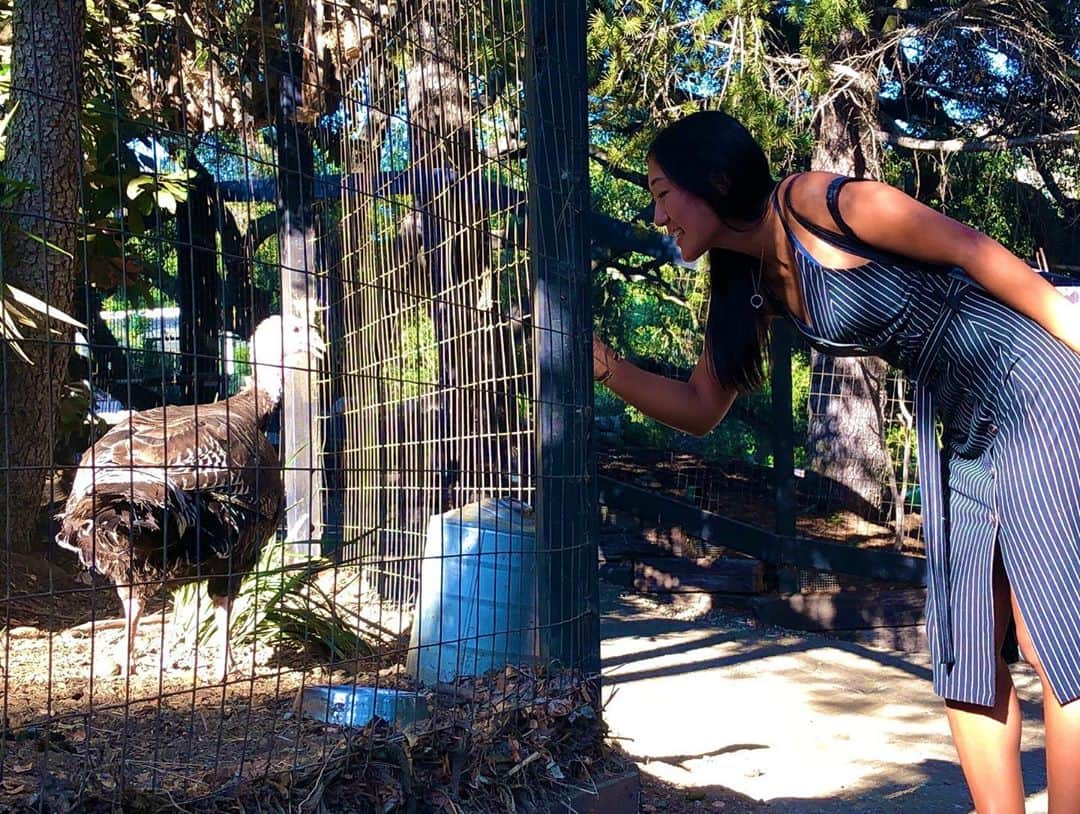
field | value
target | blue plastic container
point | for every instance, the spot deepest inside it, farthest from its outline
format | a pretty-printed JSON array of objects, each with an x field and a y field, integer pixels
[
  {"x": 355, "y": 706},
  {"x": 477, "y": 606}
]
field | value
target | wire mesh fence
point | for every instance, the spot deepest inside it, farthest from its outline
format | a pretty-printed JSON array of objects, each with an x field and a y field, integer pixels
[
  {"x": 825, "y": 452},
  {"x": 317, "y": 455},
  {"x": 848, "y": 424}
]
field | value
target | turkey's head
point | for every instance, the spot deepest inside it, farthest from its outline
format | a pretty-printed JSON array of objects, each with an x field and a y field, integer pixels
[{"x": 280, "y": 344}]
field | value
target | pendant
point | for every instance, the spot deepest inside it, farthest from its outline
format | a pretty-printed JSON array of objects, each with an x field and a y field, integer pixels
[{"x": 756, "y": 301}]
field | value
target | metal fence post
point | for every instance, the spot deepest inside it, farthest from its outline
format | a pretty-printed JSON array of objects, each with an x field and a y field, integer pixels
[
  {"x": 301, "y": 429},
  {"x": 783, "y": 425},
  {"x": 558, "y": 206}
]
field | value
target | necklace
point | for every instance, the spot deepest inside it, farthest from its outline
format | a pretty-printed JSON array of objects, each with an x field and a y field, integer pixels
[{"x": 756, "y": 300}]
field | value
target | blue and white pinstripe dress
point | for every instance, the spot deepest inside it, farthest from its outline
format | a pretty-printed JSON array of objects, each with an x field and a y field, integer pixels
[{"x": 1007, "y": 394}]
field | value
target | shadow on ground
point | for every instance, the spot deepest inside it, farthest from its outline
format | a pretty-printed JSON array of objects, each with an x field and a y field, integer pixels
[{"x": 805, "y": 723}]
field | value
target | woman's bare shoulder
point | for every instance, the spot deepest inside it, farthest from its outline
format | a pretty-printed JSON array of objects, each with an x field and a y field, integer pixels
[
  {"x": 806, "y": 191},
  {"x": 809, "y": 192}
]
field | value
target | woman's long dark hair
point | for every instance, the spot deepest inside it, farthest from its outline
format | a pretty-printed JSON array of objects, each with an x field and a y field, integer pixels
[{"x": 712, "y": 156}]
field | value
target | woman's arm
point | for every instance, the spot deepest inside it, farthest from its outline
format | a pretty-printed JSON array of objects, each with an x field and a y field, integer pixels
[
  {"x": 887, "y": 218},
  {"x": 694, "y": 406}
]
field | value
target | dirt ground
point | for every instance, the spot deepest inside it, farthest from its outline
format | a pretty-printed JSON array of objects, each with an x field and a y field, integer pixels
[
  {"x": 59, "y": 627},
  {"x": 174, "y": 734},
  {"x": 658, "y": 796},
  {"x": 719, "y": 712},
  {"x": 722, "y": 713}
]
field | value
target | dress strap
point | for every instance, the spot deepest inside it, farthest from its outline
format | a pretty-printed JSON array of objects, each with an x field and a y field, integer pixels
[
  {"x": 832, "y": 200},
  {"x": 846, "y": 239}
]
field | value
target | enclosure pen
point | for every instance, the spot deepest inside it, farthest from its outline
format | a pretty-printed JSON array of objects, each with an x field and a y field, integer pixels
[{"x": 298, "y": 479}]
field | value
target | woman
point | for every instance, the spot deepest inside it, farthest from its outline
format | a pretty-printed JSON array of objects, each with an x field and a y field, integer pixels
[{"x": 861, "y": 268}]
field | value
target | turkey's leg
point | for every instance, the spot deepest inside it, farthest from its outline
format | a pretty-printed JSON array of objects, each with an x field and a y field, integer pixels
[
  {"x": 125, "y": 649},
  {"x": 222, "y": 612}
]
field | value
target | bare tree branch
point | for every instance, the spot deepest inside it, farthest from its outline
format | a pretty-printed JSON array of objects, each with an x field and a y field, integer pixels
[
  {"x": 957, "y": 145},
  {"x": 649, "y": 273},
  {"x": 1070, "y": 206}
]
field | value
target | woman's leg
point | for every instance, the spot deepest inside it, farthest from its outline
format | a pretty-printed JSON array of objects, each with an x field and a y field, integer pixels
[
  {"x": 1062, "y": 732},
  {"x": 988, "y": 738}
]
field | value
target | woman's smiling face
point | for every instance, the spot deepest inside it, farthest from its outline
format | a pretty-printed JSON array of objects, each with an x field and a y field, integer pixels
[{"x": 687, "y": 218}]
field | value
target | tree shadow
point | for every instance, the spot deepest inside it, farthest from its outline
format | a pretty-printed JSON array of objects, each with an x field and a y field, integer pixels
[
  {"x": 940, "y": 787},
  {"x": 874, "y": 740}
]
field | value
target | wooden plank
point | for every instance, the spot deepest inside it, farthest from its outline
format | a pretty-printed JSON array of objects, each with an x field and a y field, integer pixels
[
  {"x": 673, "y": 575},
  {"x": 846, "y": 610},
  {"x": 764, "y": 545},
  {"x": 625, "y": 545}
]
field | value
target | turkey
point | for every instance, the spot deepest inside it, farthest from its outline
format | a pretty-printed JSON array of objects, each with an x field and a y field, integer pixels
[{"x": 191, "y": 492}]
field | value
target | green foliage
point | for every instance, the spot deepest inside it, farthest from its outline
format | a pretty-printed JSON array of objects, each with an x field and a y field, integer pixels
[
  {"x": 289, "y": 606},
  {"x": 124, "y": 203},
  {"x": 821, "y": 23},
  {"x": 614, "y": 196},
  {"x": 122, "y": 200},
  {"x": 984, "y": 197},
  {"x": 770, "y": 65},
  {"x": 800, "y": 401},
  {"x": 411, "y": 374},
  {"x": 283, "y": 604},
  {"x": 133, "y": 50},
  {"x": 651, "y": 63},
  {"x": 242, "y": 359},
  {"x": 267, "y": 272}
]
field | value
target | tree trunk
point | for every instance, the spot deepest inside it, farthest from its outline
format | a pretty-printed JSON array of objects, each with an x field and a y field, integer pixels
[
  {"x": 845, "y": 444},
  {"x": 43, "y": 150},
  {"x": 845, "y": 447}
]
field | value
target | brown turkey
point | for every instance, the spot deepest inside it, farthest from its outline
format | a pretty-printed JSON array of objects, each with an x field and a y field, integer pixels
[{"x": 192, "y": 492}]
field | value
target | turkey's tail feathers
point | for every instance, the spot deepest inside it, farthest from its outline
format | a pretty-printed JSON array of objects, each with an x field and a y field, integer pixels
[{"x": 102, "y": 527}]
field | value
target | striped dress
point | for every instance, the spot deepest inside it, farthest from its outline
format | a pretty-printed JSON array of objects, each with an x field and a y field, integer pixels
[{"x": 1007, "y": 474}]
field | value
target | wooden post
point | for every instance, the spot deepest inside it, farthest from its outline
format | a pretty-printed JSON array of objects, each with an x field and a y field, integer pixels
[
  {"x": 558, "y": 201},
  {"x": 199, "y": 297},
  {"x": 301, "y": 429}
]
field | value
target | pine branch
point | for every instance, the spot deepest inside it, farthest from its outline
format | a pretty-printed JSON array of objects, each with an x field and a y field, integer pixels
[{"x": 602, "y": 158}]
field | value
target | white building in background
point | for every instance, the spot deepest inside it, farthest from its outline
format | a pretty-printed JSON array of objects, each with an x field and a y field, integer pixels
[
  {"x": 158, "y": 329},
  {"x": 146, "y": 328}
]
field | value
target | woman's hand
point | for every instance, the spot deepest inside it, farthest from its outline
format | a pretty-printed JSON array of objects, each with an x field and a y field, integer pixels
[{"x": 604, "y": 360}]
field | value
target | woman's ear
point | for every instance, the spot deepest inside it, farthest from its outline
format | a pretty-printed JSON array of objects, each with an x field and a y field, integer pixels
[{"x": 720, "y": 182}]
